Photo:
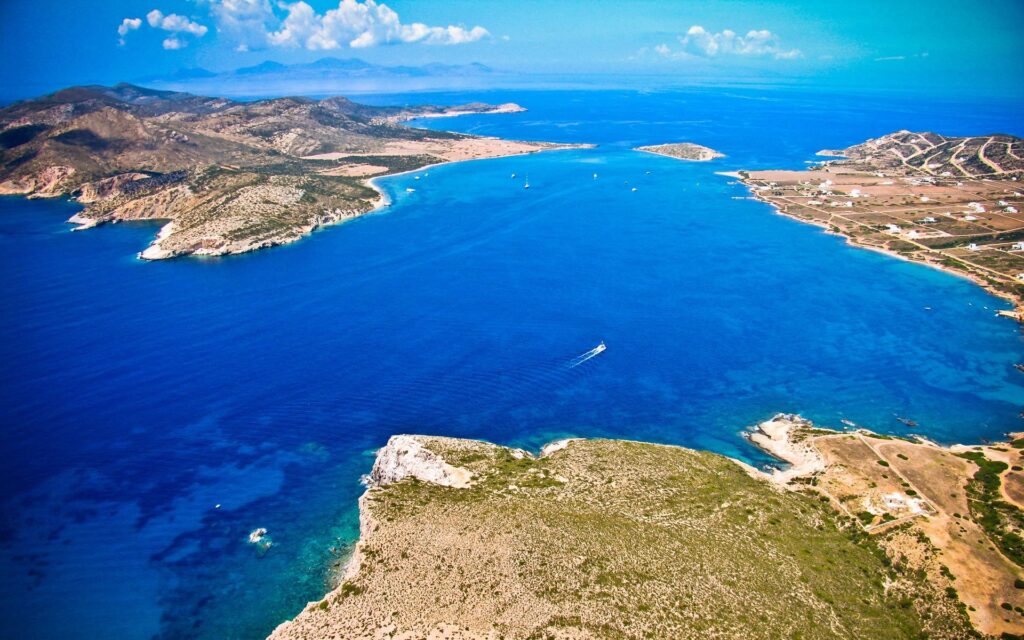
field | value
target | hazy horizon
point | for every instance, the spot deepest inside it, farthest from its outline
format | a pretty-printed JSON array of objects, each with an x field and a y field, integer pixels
[{"x": 650, "y": 45}]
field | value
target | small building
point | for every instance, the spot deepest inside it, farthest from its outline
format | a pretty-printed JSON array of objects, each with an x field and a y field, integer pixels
[
  {"x": 1017, "y": 246},
  {"x": 912, "y": 234},
  {"x": 929, "y": 220},
  {"x": 970, "y": 218},
  {"x": 973, "y": 247},
  {"x": 925, "y": 198},
  {"x": 1011, "y": 209},
  {"x": 892, "y": 228},
  {"x": 1020, "y": 276}
]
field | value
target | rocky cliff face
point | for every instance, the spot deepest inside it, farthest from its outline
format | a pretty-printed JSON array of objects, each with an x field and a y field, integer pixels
[{"x": 406, "y": 457}]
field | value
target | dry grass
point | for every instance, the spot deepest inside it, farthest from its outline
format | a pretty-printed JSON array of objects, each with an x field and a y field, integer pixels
[{"x": 613, "y": 539}]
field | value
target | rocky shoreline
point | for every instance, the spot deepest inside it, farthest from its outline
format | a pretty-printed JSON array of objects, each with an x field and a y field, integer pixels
[
  {"x": 956, "y": 213},
  {"x": 224, "y": 177},
  {"x": 683, "y": 151}
]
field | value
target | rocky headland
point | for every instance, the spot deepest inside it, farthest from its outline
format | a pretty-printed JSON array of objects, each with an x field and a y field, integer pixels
[
  {"x": 862, "y": 535},
  {"x": 224, "y": 177}
]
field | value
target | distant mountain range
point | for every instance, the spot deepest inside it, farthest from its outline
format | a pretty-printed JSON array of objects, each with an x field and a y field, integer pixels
[{"x": 327, "y": 75}]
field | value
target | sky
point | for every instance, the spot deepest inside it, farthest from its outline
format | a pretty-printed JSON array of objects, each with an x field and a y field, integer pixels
[{"x": 940, "y": 47}]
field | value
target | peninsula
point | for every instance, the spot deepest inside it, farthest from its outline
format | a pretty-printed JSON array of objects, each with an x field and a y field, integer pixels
[
  {"x": 953, "y": 203},
  {"x": 226, "y": 177},
  {"x": 863, "y": 536},
  {"x": 683, "y": 151}
]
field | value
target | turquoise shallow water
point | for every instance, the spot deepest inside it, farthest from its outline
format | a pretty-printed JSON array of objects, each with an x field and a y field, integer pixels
[{"x": 135, "y": 397}]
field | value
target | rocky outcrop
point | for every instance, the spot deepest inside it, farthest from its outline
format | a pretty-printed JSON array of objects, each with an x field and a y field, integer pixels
[
  {"x": 406, "y": 457},
  {"x": 47, "y": 183},
  {"x": 779, "y": 437},
  {"x": 108, "y": 187}
]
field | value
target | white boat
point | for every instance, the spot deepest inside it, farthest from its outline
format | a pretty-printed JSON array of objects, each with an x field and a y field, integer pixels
[
  {"x": 513, "y": 176},
  {"x": 527, "y": 185},
  {"x": 583, "y": 357},
  {"x": 633, "y": 189},
  {"x": 416, "y": 178},
  {"x": 595, "y": 176},
  {"x": 409, "y": 190}
]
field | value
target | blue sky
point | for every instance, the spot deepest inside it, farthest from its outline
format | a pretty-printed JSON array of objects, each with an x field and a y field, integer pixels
[{"x": 939, "y": 47}]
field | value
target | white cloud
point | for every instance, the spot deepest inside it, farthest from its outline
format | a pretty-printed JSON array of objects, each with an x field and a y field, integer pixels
[
  {"x": 175, "y": 23},
  {"x": 353, "y": 23},
  {"x": 256, "y": 24},
  {"x": 702, "y": 43},
  {"x": 244, "y": 21},
  {"x": 128, "y": 24}
]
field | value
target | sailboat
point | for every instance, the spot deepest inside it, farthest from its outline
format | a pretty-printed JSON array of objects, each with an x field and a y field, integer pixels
[{"x": 527, "y": 185}]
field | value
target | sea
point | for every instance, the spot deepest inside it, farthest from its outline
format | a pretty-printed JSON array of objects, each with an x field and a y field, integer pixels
[{"x": 153, "y": 414}]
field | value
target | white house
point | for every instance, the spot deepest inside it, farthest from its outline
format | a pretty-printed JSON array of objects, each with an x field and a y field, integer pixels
[
  {"x": 912, "y": 234},
  {"x": 929, "y": 219},
  {"x": 892, "y": 228},
  {"x": 1017, "y": 246},
  {"x": 973, "y": 247},
  {"x": 1020, "y": 276},
  {"x": 970, "y": 218},
  {"x": 1011, "y": 209}
]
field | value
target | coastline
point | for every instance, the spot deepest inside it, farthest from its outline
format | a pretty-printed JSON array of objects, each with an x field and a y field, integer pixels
[
  {"x": 892, "y": 487},
  {"x": 1017, "y": 314},
  {"x": 903, "y": 517},
  {"x": 675, "y": 151},
  {"x": 383, "y": 200},
  {"x": 154, "y": 252}
]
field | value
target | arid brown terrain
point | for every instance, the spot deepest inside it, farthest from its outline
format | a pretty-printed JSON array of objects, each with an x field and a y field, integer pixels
[
  {"x": 955, "y": 203},
  {"x": 953, "y": 515},
  {"x": 225, "y": 176}
]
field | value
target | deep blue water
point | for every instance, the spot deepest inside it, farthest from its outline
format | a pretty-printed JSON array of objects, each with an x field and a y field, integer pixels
[{"x": 134, "y": 397}]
